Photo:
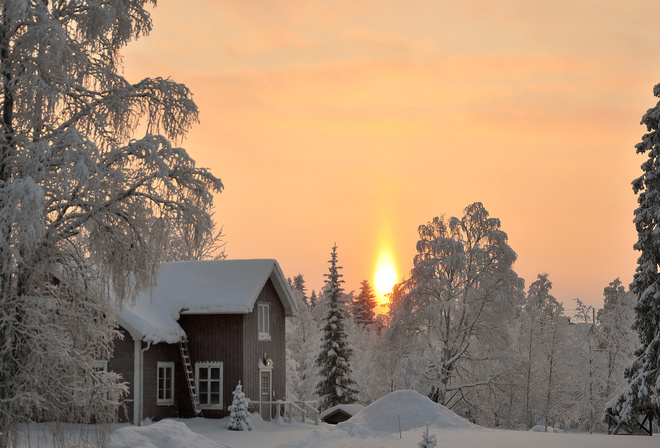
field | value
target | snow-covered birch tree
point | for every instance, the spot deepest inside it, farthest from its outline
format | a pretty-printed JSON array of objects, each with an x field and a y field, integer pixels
[
  {"x": 333, "y": 360},
  {"x": 616, "y": 338},
  {"x": 539, "y": 306},
  {"x": 302, "y": 342},
  {"x": 642, "y": 396},
  {"x": 86, "y": 206},
  {"x": 460, "y": 291}
]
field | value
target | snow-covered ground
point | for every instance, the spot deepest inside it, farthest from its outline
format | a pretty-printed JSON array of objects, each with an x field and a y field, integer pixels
[{"x": 376, "y": 426}]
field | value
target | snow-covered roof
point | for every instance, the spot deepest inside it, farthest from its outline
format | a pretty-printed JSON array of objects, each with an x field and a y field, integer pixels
[
  {"x": 201, "y": 287},
  {"x": 348, "y": 409}
]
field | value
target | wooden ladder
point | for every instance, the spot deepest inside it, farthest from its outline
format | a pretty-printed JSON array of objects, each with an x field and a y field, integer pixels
[{"x": 190, "y": 376}]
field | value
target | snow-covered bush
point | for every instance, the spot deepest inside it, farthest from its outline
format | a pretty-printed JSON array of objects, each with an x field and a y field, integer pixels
[{"x": 239, "y": 419}]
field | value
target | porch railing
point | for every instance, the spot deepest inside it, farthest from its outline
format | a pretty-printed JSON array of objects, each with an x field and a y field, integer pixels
[{"x": 286, "y": 410}]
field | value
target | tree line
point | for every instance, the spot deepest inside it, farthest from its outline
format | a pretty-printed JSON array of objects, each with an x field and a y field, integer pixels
[{"x": 464, "y": 330}]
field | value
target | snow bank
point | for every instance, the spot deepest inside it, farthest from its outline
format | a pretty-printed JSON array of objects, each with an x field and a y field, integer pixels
[
  {"x": 414, "y": 410},
  {"x": 164, "y": 434}
]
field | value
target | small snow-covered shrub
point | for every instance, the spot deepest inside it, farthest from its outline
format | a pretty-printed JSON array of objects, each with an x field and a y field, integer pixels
[{"x": 239, "y": 419}]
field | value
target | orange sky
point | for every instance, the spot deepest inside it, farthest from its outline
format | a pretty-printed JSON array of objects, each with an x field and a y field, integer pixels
[{"x": 357, "y": 121}]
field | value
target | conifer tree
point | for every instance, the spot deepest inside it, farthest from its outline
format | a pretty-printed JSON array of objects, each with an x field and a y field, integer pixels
[
  {"x": 299, "y": 285},
  {"x": 363, "y": 305},
  {"x": 642, "y": 396},
  {"x": 313, "y": 300},
  {"x": 239, "y": 418},
  {"x": 428, "y": 440},
  {"x": 336, "y": 384}
]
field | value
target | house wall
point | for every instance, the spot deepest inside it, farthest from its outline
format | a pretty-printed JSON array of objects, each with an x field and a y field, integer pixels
[
  {"x": 165, "y": 353},
  {"x": 214, "y": 338},
  {"x": 275, "y": 349},
  {"x": 122, "y": 362}
]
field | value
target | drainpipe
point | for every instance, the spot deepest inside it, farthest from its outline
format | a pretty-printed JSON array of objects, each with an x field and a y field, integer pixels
[{"x": 138, "y": 380}]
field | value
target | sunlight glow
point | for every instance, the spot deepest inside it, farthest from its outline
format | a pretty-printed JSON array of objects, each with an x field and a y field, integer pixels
[{"x": 385, "y": 276}]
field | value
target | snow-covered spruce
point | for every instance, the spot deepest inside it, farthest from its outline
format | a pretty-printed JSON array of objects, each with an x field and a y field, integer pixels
[
  {"x": 88, "y": 206},
  {"x": 428, "y": 440},
  {"x": 239, "y": 418},
  {"x": 363, "y": 306},
  {"x": 336, "y": 384},
  {"x": 640, "y": 398}
]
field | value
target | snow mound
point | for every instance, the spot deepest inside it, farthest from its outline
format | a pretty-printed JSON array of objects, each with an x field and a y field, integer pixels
[
  {"x": 412, "y": 408},
  {"x": 163, "y": 434}
]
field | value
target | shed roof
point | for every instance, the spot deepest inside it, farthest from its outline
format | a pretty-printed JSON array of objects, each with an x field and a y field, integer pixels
[
  {"x": 341, "y": 412},
  {"x": 202, "y": 287}
]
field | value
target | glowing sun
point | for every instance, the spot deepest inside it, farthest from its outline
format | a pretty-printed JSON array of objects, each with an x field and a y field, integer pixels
[{"x": 385, "y": 276}]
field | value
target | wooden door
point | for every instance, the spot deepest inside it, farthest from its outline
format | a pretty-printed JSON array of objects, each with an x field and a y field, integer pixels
[{"x": 266, "y": 393}]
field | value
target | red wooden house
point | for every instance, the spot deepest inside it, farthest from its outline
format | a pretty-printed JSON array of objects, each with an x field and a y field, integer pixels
[{"x": 205, "y": 327}]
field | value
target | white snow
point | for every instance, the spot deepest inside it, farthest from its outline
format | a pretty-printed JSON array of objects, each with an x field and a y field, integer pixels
[
  {"x": 200, "y": 287},
  {"x": 207, "y": 433},
  {"x": 408, "y": 407},
  {"x": 163, "y": 434}
]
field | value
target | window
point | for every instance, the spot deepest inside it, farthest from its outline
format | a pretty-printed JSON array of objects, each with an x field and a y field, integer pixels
[
  {"x": 100, "y": 366},
  {"x": 209, "y": 384},
  {"x": 265, "y": 384},
  {"x": 165, "y": 381},
  {"x": 264, "y": 321}
]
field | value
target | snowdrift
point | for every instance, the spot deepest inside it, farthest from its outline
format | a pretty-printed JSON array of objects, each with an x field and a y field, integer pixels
[
  {"x": 163, "y": 434},
  {"x": 414, "y": 409}
]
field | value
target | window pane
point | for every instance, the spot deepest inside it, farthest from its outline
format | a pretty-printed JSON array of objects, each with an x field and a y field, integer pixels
[
  {"x": 203, "y": 387},
  {"x": 215, "y": 387},
  {"x": 215, "y": 373},
  {"x": 215, "y": 398},
  {"x": 203, "y": 373}
]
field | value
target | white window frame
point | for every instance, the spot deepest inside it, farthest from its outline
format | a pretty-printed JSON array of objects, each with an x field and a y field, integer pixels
[
  {"x": 263, "y": 321},
  {"x": 204, "y": 401},
  {"x": 100, "y": 365},
  {"x": 165, "y": 366}
]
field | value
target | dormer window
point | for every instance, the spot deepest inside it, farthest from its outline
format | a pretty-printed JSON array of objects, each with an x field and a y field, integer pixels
[{"x": 263, "y": 317}]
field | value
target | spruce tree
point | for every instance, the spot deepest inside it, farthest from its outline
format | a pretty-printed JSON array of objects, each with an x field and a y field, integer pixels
[
  {"x": 299, "y": 285},
  {"x": 239, "y": 418},
  {"x": 313, "y": 300},
  {"x": 428, "y": 440},
  {"x": 363, "y": 305},
  {"x": 641, "y": 397},
  {"x": 336, "y": 385}
]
